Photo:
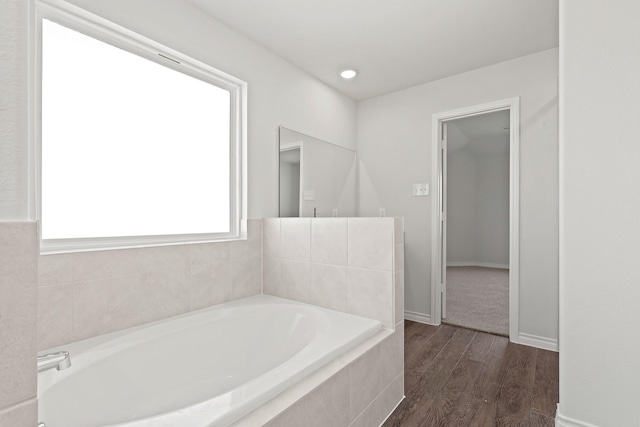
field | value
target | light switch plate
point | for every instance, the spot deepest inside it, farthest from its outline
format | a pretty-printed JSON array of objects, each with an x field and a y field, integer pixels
[
  {"x": 309, "y": 195},
  {"x": 420, "y": 190}
]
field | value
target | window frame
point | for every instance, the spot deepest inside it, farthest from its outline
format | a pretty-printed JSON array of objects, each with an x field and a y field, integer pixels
[{"x": 91, "y": 25}]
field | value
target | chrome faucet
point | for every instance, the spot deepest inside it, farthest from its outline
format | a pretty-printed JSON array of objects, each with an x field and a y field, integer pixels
[{"x": 59, "y": 360}]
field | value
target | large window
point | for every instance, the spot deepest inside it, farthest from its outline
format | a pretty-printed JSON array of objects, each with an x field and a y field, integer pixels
[{"x": 138, "y": 144}]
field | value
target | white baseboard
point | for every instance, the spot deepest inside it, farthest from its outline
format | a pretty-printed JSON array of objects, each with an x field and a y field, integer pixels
[
  {"x": 562, "y": 421},
  {"x": 418, "y": 317},
  {"x": 477, "y": 264},
  {"x": 539, "y": 342}
]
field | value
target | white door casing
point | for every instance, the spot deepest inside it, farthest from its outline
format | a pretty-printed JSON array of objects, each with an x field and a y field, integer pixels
[
  {"x": 438, "y": 213},
  {"x": 443, "y": 219}
]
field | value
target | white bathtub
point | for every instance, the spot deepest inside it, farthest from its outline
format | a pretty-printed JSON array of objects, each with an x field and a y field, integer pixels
[{"x": 205, "y": 368}]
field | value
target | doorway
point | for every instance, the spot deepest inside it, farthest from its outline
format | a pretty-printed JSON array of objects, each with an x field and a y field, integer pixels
[
  {"x": 290, "y": 180},
  {"x": 482, "y": 251}
]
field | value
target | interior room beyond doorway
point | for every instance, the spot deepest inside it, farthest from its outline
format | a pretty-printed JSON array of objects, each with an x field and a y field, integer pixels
[{"x": 477, "y": 222}]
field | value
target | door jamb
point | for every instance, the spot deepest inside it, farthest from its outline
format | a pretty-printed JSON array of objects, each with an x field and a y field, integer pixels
[{"x": 513, "y": 105}]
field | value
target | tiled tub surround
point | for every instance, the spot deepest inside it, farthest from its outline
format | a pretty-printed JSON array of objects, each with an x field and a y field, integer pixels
[
  {"x": 354, "y": 265},
  {"x": 345, "y": 264},
  {"x": 82, "y": 295},
  {"x": 18, "y": 279}
]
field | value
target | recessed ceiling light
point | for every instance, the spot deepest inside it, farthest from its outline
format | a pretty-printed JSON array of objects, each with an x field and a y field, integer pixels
[{"x": 348, "y": 74}]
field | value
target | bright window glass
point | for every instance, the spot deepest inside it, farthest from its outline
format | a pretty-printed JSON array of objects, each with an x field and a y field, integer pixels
[{"x": 129, "y": 147}]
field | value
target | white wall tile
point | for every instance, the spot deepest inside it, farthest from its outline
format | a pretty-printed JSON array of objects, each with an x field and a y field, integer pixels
[
  {"x": 210, "y": 253},
  {"x": 371, "y": 243},
  {"x": 246, "y": 277},
  {"x": 295, "y": 239},
  {"x": 17, "y": 292},
  {"x": 272, "y": 277},
  {"x": 383, "y": 403},
  {"x": 115, "y": 263},
  {"x": 55, "y": 321},
  {"x": 329, "y": 286},
  {"x": 296, "y": 415},
  {"x": 18, "y": 245},
  {"x": 392, "y": 350},
  {"x": 398, "y": 285},
  {"x": 328, "y": 405},
  {"x": 329, "y": 241},
  {"x": 296, "y": 279},
  {"x": 391, "y": 396},
  {"x": 117, "y": 289},
  {"x": 105, "y": 305},
  {"x": 371, "y": 294},
  {"x": 369, "y": 417},
  {"x": 24, "y": 414},
  {"x": 210, "y": 284},
  {"x": 18, "y": 310},
  {"x": 163, "y": 293},
  {"x": 398, "y": 257},
  {"x": 17, "y": 360},
  {"x": 54, "y": 269},
  {"x": 365, "y": 386},
  {"x": 271, "y": 237},
  {"x": 252, "y": 246}
]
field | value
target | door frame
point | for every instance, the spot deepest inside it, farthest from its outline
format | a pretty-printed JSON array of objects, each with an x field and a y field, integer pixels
[
  {"x": 297, "y": 145},
  {"x": 513, "y": 105}
]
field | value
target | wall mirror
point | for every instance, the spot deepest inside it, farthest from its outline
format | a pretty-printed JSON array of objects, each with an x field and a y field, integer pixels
[{"x": 317, "y": 178}]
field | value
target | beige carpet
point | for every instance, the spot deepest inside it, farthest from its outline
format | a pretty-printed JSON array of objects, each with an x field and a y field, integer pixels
[{"x": 478, "y": 298}]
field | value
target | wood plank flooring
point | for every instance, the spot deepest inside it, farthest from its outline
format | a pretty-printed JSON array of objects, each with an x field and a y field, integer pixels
[{"x": 459, "y": 377}]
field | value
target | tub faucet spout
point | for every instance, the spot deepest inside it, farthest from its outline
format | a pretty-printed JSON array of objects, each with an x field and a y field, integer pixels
[{"x": 59, "y": 360}]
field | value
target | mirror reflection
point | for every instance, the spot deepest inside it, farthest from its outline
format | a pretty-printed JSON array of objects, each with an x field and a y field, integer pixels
[{"x": 317, "y": 178}]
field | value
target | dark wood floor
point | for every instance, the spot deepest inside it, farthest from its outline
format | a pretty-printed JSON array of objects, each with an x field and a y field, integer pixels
[{"x": 459, "y": 377}]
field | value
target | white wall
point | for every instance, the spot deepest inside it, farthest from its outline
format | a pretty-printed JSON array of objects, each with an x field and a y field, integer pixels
[
  {"x": 492, "y": 232},
  {"x": 478, "y": 207},
  {"x": 289, "y": 189},
  {"x": 461, "y": 207},
  {"x": 13, "y": 110},
  {"x": 279, "y": 93},
  {"x": 394, "y": 149},
  {"x": 330, "y": 172},
  {"x": 600, "y": 232}
]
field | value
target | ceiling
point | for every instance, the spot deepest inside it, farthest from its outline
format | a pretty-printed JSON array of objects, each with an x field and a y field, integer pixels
[
  {"x": 393, "y": 44},
  {"x": 480, "y": 134},
  {"x": 290, "y": 156}
]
